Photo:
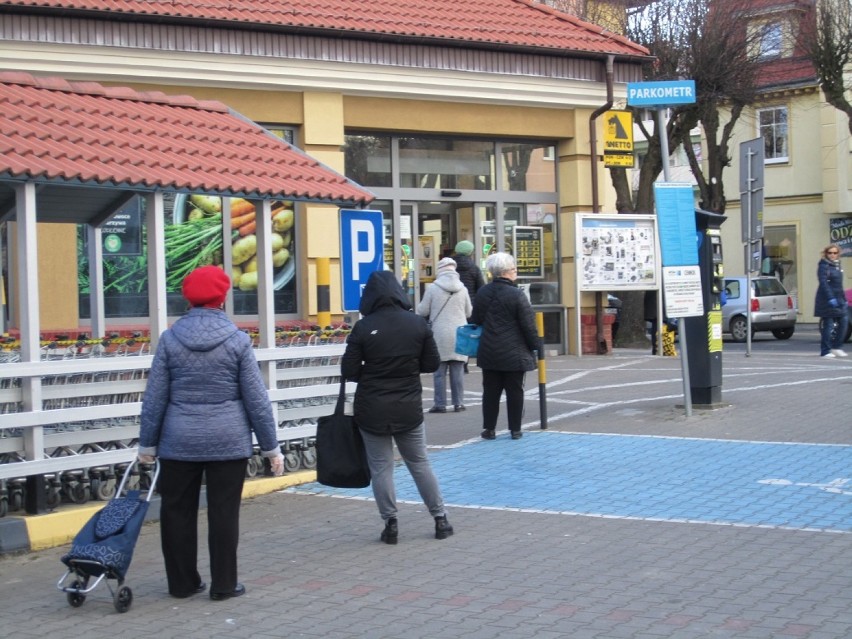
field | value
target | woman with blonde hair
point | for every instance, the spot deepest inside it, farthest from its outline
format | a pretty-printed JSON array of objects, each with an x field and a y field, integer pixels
[{"x": 830, "y": 303}]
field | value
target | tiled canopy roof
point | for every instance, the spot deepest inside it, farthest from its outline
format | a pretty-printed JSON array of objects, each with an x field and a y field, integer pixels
[
  {"x": 54, "y": 131},
  {"x": 495, "y": 23}
]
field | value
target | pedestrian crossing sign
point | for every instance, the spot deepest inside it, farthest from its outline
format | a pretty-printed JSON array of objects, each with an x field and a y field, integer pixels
[{"x": 618, "y": 138}]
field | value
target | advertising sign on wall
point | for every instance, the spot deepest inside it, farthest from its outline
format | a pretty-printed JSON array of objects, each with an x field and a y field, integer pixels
[{"x": 840, "y": 233}]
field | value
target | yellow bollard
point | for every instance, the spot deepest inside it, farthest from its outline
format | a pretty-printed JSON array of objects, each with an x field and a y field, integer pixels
[{"x": 323, "y": 292}]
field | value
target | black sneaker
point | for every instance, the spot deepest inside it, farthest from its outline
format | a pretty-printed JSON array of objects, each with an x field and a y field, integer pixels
[
  {"x": 437, "y": 409},
  {"x": 391, "y": 532},
  {"x": 459, "y": 408},
  {"x": 442, "y": 527},
  {"x": 488, "y": 434},
  {"x": 516, "y": 434}
]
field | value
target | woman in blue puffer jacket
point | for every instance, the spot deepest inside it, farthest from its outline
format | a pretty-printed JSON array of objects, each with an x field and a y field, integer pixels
[
  {"x": 830, "y": 303},
  {"x": 205, "y": 396}
]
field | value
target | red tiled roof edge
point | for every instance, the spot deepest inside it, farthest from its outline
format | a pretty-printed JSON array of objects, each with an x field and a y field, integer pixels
[
  {"x": 589, "y": 26},
  {"x": 54, "y": 83}
]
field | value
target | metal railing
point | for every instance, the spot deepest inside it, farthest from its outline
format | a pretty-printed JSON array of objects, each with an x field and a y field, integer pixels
[{"x": 73, "y": 417}]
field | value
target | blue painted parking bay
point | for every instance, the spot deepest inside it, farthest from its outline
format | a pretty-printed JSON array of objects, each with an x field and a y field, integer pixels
[{"x": 778, "y": 485}]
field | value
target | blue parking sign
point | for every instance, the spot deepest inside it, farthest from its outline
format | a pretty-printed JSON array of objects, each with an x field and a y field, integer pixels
[{"x": 361, "y": 252}]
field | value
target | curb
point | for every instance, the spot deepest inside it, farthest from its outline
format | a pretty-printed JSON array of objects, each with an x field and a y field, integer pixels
[{"x": 39, "y": 532}]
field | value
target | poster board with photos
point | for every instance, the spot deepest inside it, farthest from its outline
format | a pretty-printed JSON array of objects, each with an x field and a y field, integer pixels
[{"x": 616, "y": 251}]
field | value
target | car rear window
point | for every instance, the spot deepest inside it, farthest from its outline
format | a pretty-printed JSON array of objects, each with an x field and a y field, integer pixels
[
  {"x": 768, "y": 286},
  {"x": 732, "y": 288}
]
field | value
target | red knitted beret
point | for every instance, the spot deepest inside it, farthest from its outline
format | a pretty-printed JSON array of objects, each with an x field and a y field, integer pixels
[{"x": 206, "y": 286}]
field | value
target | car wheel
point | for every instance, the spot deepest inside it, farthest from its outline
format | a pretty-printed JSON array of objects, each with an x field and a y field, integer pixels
[
  {"x": 784, "y": 333},
  {"x": 739, "y": 328}
]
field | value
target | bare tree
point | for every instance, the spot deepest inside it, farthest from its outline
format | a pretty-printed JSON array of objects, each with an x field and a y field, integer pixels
[
  {"x": 706, "y": 41},
  {"x": 827, "y": 39}
]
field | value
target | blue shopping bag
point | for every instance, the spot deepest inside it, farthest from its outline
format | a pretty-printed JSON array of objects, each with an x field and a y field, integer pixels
[{"x": 467, "y": 339}]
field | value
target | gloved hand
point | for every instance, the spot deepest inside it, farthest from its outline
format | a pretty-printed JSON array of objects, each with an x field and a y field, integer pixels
[
  {"x": 276, "y": 464},
  {"x": 146, "y": 459},
  {"x": 832, "y": 302}
]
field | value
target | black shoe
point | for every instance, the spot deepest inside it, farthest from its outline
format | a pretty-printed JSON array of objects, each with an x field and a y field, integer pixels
[
  {"x": 198, "y": 590},
  {"x": 516, "y": 434},
  {"x": 459, "y": 408},
  {"x": 391, "y": 532},
  {"x": 238, "y": 591},
  {"x": 442, "y": 527},
  {"x": 487, "y": 434},
  {"x": 437, "y": 409}
]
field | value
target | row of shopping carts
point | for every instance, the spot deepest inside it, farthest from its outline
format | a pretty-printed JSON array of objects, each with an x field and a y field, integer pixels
[{"x": 307, "y": 364}]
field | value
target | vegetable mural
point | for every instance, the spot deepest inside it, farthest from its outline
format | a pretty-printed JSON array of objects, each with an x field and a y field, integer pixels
[{"x": 195, "y": 239}]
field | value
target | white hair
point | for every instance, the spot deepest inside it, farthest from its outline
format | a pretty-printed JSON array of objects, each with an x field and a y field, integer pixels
[{"x": 499, "y": 263}]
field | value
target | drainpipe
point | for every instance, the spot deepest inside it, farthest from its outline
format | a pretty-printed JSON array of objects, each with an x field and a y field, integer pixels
[{"x": 593, "y": 144}]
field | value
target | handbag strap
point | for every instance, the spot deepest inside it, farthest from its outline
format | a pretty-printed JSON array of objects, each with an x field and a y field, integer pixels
[
  {"x": 442, "y": 307},
  {"x": 341, "y": 396}
]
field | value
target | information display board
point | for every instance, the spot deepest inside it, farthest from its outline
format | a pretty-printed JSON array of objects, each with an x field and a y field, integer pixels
[
  {"x": 528, "y": 247},
  {"x": 617, "y": 252}
]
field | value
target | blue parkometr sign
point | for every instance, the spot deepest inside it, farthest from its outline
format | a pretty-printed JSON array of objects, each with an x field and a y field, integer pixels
[{"x": 660, "y": 94}]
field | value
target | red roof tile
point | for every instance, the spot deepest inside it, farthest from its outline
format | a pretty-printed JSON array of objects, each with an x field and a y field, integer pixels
[
  {"x": 55, "y": 130},
  {"x": 513, "y": 23}
]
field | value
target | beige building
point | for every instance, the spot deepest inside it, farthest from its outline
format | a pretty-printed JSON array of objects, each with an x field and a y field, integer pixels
[
  {"x": 808, "y": 163},
  {"x": 463, "y": 129}
]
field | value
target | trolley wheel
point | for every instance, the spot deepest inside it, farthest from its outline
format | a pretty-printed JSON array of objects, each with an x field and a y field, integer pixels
[
  {"x": 104, "y": 489},
  {"x": 252, "y": 467},
  {"x": 291, "y": 461},
  {"x": 76, "y": 599},
  {"x": 4, "y": 506},
  {"x": 79, "y": 493},
  {"x": 16, "y": 499},
  {"x": 309, "y": 458},
  {"x": 54, "y": 497},
  {"x": 123, "y": 599}
]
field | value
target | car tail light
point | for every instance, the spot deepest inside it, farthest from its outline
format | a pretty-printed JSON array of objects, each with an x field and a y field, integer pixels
[
  {"x": 755, "y": 304},
  {"x": 789, "y": 303}
]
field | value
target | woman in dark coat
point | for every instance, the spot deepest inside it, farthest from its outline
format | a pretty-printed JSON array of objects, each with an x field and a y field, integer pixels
[
  {"x": 468, "y": 271},
  {"x": 204, "y": 398},
  {"x": 387, "y": 350},
  {"x": 830, "y": 303},
  {"x": 509, "y": 337}
]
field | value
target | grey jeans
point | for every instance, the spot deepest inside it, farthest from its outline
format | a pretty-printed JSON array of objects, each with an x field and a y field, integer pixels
[{"x": 412, "y": 448}]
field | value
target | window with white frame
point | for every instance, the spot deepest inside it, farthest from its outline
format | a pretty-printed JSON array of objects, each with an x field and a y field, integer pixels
[
  {"x": 772, "y": 124},
  {"x": 770, "y": 40}
]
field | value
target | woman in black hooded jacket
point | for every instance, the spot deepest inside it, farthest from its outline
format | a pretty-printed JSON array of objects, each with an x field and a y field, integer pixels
[
  {"x": 509, "y": 337},
  {"x": 387, "y": 350}
]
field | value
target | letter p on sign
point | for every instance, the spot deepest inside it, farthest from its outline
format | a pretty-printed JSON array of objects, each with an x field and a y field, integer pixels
[{"x": 361, "y": 245}]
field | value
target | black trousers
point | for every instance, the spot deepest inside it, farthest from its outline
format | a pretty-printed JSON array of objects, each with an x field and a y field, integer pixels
[
  {"x": 494, "y": 383},
  {"x": 180, "y": 488}
]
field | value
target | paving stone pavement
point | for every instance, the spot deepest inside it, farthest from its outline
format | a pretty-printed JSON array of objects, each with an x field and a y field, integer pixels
[{"x": 624, "y": 518}]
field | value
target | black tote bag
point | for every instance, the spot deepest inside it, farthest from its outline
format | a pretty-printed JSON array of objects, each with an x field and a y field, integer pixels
[{"x": 341, "y": 458}]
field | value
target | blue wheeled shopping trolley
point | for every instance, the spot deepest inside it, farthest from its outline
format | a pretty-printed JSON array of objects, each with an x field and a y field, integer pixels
[{"x": 104, "y": 546}]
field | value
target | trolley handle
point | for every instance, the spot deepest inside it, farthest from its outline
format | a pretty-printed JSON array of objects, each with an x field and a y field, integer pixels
[{"x": 129, "y": 470}]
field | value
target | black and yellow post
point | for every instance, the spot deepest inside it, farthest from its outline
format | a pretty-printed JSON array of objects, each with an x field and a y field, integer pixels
[
  {"x": 323, "y": 292},
  {"x": 542, "y": 371}
]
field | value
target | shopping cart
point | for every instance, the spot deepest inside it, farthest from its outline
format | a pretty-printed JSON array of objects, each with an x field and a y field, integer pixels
[{"x": 103, "y": 548}]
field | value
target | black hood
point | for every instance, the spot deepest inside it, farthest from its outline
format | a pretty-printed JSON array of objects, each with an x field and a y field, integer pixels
[{"x": 382, "y": 289}]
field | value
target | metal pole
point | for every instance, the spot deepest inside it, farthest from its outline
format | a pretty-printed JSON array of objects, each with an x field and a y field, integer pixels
[
  {"x": 749, "y": 254},
  {"x": 681, "y": 322}
]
